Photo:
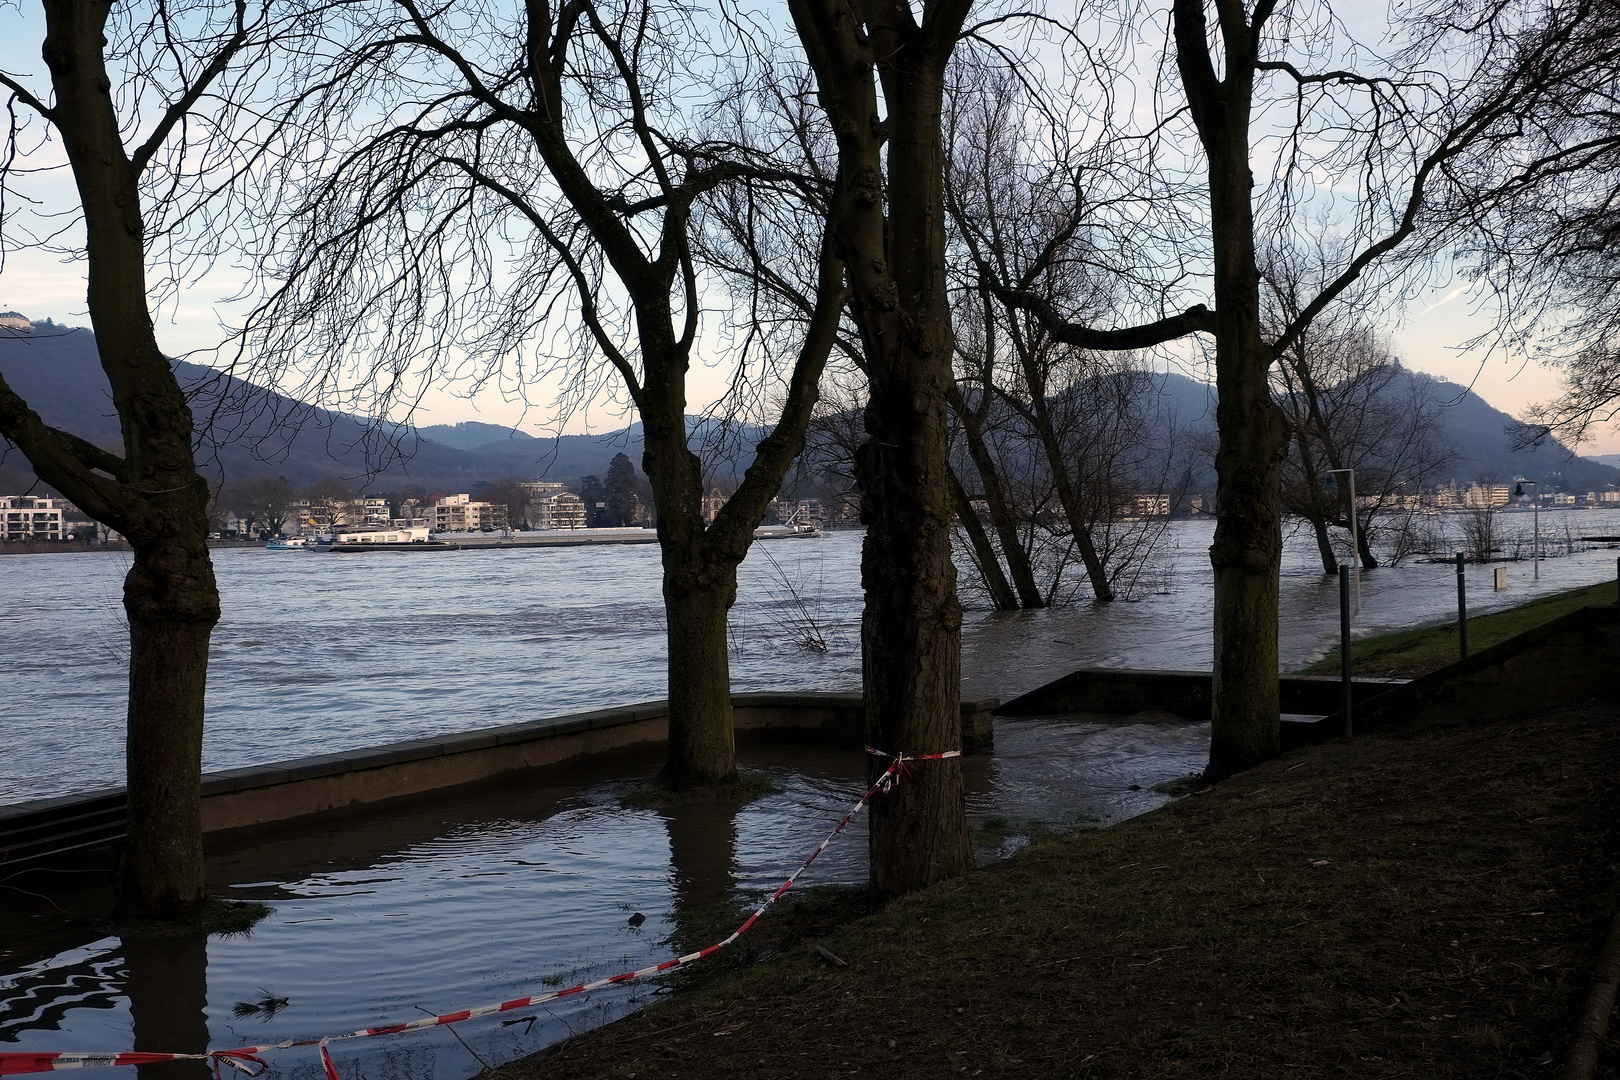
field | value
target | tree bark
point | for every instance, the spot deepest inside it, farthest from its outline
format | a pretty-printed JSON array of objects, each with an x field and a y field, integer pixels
[
  {"x": 169, "y": 595},
  {"x": 1246, "y": 553},
  {"x": 894, "y": 253}
]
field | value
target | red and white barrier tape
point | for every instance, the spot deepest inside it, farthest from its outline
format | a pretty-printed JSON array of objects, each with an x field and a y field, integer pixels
[{"x": 247, "y": 1059}]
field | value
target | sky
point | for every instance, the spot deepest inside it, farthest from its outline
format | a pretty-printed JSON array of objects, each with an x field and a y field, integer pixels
[{"x": 1427, "y": 334}]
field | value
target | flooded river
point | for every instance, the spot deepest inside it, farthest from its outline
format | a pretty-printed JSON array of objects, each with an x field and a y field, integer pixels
[
  {"x": 319, "y": 652},
  {"x": 529, "y": 887}
]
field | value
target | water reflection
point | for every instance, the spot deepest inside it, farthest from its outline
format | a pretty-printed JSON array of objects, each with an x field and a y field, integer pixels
[
  {"x": 516, "y": 889},
  {"x": 166, "y": 982},
  {"x": 702, "y": 852}
]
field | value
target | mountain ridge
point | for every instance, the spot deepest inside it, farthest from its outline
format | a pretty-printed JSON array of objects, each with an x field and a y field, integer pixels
[{"x": 253, "y": 431}]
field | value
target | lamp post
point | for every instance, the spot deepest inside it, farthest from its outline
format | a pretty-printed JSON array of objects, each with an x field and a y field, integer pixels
[
  {"x": 1535, "y": 503},
  {"x": 1355, "y": 545}
]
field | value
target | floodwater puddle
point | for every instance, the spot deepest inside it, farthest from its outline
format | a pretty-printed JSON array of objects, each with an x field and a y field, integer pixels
[{"x": 514, "y": 891}]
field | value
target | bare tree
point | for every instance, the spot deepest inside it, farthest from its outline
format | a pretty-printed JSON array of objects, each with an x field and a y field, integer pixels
[
  {"x": 497, "y": 183},
  {"x": 141, "y": 102},
  {"x": 263, "y": 499},
  {"x": 1395, "y": 129},
  {"x": 888, "y": 227},
  {"x": 1542, "y": 184},
  {"x": 1350, "y": 406}
]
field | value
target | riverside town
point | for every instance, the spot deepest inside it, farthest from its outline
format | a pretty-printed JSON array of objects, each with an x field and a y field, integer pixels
[{"x": 1196, "y": 424}]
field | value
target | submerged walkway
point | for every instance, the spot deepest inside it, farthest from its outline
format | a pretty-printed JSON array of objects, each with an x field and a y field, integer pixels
[{"x": 1426, "y": 901}]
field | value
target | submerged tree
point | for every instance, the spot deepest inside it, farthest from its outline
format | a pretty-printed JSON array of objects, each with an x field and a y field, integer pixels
[
  {"x": 141, "y": 181},
  {"x": 1395, "y": 129},
  {"x": 491, "y": 183},
  {"x": 1350, "y": 406}
]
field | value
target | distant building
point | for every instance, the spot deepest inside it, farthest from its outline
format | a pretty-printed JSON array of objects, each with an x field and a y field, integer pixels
[
  {"x": 558, "y": 510},
  {"x": 1151, "y": 505},
  {"x": 1485, "y": 496},
  {"x": 15, "y": 321},
  {"x": 28, "y": 517},
  {"x": 713, "y": 500},
  {"x": 539, "y": 489},
  {"x": 458, "y": 513}
]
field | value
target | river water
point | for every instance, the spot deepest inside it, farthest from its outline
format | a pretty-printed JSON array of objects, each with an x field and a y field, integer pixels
[
  {"x": 319, "y": 652},
  {"x": 508, "y": 892}
]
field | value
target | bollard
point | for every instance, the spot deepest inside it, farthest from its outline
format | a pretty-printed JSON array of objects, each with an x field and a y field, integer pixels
[
  {"x": 1462, "y": 608},
  {"x": 1344, "y": 642}
]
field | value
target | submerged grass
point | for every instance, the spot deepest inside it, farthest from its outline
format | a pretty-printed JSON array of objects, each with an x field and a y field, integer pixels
[
  {"x": 1410, "y": 653},
  {"x": 746, "y": 787},
  {"x": 225, "y": 918},
  {"x": 1424, "y": 901}
]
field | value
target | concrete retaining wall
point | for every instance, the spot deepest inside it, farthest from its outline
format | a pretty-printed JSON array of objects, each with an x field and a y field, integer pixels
[
  {"x": 263, "y": 796},
  {"x": 1181, "y": 693},
  {"x": 1573, "y": 658}
]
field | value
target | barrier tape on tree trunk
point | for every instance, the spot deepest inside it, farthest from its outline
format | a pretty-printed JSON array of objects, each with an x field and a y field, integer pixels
[{"x": 248, "y": 1059}]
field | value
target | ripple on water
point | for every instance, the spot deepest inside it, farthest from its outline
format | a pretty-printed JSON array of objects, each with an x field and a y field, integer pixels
[{"x": 511, "y": 892}]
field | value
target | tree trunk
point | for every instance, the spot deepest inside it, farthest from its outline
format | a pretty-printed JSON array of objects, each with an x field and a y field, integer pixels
[
  {"x": 890, "y": 233},
  {"x": 1247, "y": 552},
  {"x": 152, "y": 494},
  {"x": 1364, "y": 547},
  {"x": 911, "y": 640},
  {"x": 1001, "y": 515},
  {"x": 172, "y": 602},
  {"x": 984, "y": 552},
  {"x": 1069, "y": 499},
  {"x": 1324, "y": 546},
  {"x": 701, "y": 747}
]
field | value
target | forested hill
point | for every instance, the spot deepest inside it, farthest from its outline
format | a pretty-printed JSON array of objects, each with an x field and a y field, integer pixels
[
  {"x": 1477, "y": 432},
  {"x": 248, "y": 431}
]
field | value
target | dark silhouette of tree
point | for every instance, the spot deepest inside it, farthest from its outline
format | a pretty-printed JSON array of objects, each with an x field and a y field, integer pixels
[
  {"x": 1548, "y": 253},
  {"x": 594, "y": 495},
  {"x": 263, "y": 500},
  {"x": 620, "y": 490},
  {"x": 523, "y": 182},
  {"x": 125, "y": 85}
]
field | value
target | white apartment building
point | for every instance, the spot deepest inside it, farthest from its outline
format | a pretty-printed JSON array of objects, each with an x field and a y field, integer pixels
[
  {"x": 458, "y": 513},
  {"x": 27, "y": 517},
  {"x": 1483, "y": 496},
  {"x": 558, "y": 510},
  {"x": 1152, "y": 505}
]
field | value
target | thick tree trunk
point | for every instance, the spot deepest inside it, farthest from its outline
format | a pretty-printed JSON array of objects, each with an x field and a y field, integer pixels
[
  {"x": 173, "y": 603},
  {"x": 911, "y": 639},
  {"x": 701, "y": 747},
  {"x": 700, "y": 585},
  {"x": 1247, "y": 551},
  {"x": 889, "y": 229},
  {"x": 152, "y": 494},
  {"x": 984, "y": 552}
]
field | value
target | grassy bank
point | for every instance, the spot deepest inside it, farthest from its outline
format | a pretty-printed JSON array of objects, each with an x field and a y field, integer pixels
[
  {"x": 1410, "y": 653},
  {"x": 1423, "y": 902}
]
